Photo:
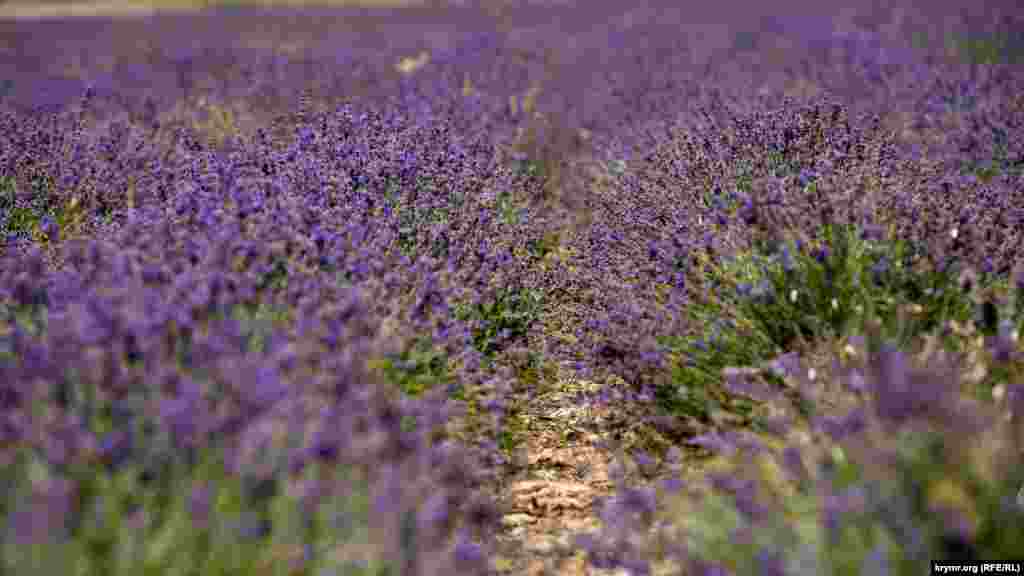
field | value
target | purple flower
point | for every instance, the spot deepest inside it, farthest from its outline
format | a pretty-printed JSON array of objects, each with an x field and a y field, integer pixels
[
  {"x": 1002, "y": 345},
  {"x": 744, "y": 493},
  {"x": 47, "y": 518},
  {"x": 717, "y": 442},
  {"x": 853, "y": 499},
  {"x": 878, "y": 270},
  {"x": 877, "y": 562},
  {"x": 467, "y": 553},
  {"x": 854, "y": 422},
  {"x": 50, "y": 229},
  {"x": 788, "y": 264},
  {"x": 854, "y": 381},
  {"x": 199, "y": 506},
  {"x": 770, "y": 563},
  {"x": 116, "y": 448},
  {"x": 777, "y": 425},
  {"x": 183, "y": 414},
  {"x": 708, "y": 568},
  {"x": 793, "y": 464},
  {"x": 741, "y": 382},
  {"x": 673, "y": 485},
  {"x": 639, "y": 501},
  {"x": 898, "y": 389},
  {"x": 873, "y": 232},
  {"x": 786, "y": 365}
]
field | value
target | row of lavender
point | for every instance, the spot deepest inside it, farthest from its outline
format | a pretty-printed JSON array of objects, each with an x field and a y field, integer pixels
[
  {"x": 856, "y": 293},
  {"x": 190, "y": 300}
]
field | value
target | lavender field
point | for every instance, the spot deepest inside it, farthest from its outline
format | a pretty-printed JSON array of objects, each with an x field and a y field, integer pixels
[{"x": 512, "y": 288}]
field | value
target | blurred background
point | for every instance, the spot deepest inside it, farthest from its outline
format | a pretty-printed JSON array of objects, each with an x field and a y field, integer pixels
[{"x": 35, "y": 9}]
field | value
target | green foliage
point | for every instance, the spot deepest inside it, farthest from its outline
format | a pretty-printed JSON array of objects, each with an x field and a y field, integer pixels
[
  {"x": 124, "y": 524},
  {"x": 1001, "y": 162},
  {"x": 541, "y": 247},
  {"x": 509, "y": 315},
  {"x": 772, "y": 299},
  {"x": 999, "y": 48},
  {"x": 418, "y": 368},
  {"x": 530, "y": 169},
  {"x": 508, "y": 209},
  {"x": 793, "y": 529},
  {"x": 824, "y": 295},
  {"x": 31, "y": 319},
  {"x": 1002, "y": 47},
  {"x": 617, "y": 167},
  {"x": 921, "y": 477},
  {"x": 774, "y": 161},
  {"x": 275, "y": 279},
  {"x": 696, "y": 378},
  {"x": 42, "y": 217},
  {"x": 23, "y": 218},
  {"x": 924, "y": 463},
  {"x": 415, "y": 219},
  {"x": 998, "y": 311},
  {"x": 716, "y": 199},
  {"x": 533, "y": 372},
  {"x": 258, "y": 321}
]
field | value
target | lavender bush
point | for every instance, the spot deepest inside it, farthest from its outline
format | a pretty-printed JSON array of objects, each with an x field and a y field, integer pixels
[{"x": 271, "y": 297}]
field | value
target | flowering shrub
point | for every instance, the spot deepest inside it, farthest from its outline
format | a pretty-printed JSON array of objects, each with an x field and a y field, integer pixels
[
  {"x": 883, "y": 484},
  {"x": 272, "y": 301}
]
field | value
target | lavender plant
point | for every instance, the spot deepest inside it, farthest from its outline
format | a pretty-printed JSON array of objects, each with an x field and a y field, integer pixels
[{"x": 275, "y": 302}]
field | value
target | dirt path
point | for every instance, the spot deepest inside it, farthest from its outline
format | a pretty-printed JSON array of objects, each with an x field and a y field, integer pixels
[{"x": 562, "y": 477}]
